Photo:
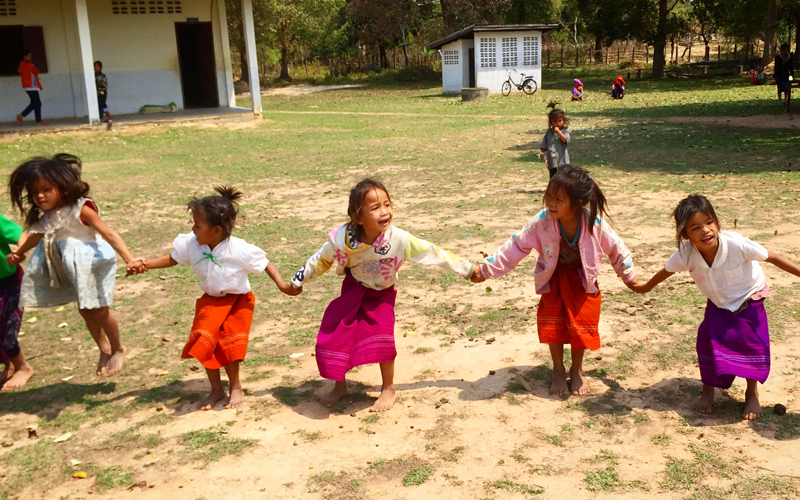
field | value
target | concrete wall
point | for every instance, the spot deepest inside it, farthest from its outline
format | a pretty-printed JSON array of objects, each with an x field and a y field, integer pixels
[
  {"x": 139, "y": 54},
  {"x": 492, "y": 77}
]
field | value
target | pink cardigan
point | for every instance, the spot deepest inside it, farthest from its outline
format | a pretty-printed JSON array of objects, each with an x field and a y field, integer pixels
[{"x": 542, "y": 234}]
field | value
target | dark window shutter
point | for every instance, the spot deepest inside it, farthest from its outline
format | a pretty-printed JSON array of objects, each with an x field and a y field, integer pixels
[
  {"x": 10, "y": 50},
  {"x": 33, "y": 40}
]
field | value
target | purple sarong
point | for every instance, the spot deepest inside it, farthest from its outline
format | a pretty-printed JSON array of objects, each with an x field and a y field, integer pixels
[
  {"x": 731, "y": 345},
  {"x": 357, "y": 329}
]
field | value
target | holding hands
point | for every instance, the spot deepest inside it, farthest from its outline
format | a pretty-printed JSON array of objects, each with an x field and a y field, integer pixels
[
  {"x": 135, "y": 266},
  {"x": 477, "y": 276},
  {"x": 14, "y": 259}
]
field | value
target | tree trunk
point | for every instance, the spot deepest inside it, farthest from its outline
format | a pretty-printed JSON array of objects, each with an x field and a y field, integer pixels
[
  {"x": 285, "y": 64},
  {"x": 598, "y": 50},
  {"x": 521, "y": 13},
  {"x": 384, "y": 58},
  {"x": 660, "y": 42},
  {"x": 449, "y": 16},
  {"x": 708, "y": 50},
  {"x": 243, "y": 61},
  {"x": 405, "y": 47},
  {"x": 771, "y": 35},
  {"x": 797, "y": 31}
]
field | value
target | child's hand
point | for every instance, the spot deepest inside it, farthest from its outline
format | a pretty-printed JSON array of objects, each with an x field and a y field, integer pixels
[
  {"x": 637, "y": 287},
  {"x": 14, "y": 259},
  {"x": 290, "y": 290},
  {"x": 135, "y": 266},
  {"x": 477, "y": 276}
]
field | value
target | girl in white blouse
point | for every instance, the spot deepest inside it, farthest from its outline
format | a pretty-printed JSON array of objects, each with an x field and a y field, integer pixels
[{"x": 224, "y": 313}]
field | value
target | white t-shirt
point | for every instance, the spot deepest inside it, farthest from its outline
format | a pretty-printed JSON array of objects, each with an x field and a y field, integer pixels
[
  {"x": 734, "y": 275},
  {"x": 223, "y": 270}
]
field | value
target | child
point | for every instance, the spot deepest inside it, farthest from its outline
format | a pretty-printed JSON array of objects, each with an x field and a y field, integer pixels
[
  {"x": 31, "y": 85},
  {"x": 17, "y": 371},
  {"x": 555, "y": 140},
  {"x": 74, "y": 259},
  {"x": 570, "y": 240},
  {"x": 224, "y": 313},
  {"x": 358, "y": 327},
  {"x": 101, "y": 82},
  {"x": 733, "y": 339},
  {"x": 784, "y": 68},
  {"x": 577, "y": 90},
  {"x": 618, "y": 88}
]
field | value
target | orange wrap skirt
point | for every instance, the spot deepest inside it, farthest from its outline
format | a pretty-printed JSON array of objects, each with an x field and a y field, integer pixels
[
  {"x": 221, "y": 329},
  {"x": 567, "y": 314}
]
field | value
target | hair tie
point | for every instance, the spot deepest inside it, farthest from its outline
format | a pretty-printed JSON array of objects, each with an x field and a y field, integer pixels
[{"x": 222, "y": 215}]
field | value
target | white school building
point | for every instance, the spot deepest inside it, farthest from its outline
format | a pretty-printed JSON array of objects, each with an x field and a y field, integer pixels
[
  {"x": 482, "y": 56},
  {"x": 153, "y": 52}
]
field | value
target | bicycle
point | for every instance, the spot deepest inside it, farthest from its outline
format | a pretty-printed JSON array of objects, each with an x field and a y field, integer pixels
[{"x": 527, "y": 84}]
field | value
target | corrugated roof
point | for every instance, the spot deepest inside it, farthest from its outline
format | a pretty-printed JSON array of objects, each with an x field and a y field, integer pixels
[{"x": 469, "y": 32}]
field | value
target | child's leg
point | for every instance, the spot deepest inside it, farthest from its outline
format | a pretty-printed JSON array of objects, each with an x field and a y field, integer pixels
[
  {"x": 105, "y": 331},
  {"x": 237, "y": 395},
  {"x": 217, "y": 392},
  {"x": 18, "y": 372},
  {"x": 338, "y": 392},
  {"x": 578, "y": 384},
  {"x": 388, "y": 396},
  {"x": 559, "y": 387},
  {"x": 752, "y": 408}
]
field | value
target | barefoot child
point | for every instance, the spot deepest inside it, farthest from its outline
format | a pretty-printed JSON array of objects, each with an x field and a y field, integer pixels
[
  {"x": 223, "y": 315},
  {"x": 570, "y": 240},
  {"x": 358, "y": 327},
  {"x": 555, "y": 140},
  {"x": 733, "y": 339},
  {"x": 74, "y": 258},
  {"x": 17, "y": 371}
]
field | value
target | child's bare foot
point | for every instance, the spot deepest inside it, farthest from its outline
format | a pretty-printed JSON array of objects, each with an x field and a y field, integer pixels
[
  {"x": 103, "y": 362},
  {"x": 19, "y": 119},
  {"x": 560, "y": 386},
  {"x": 578, "y": 384},
  {"x": 6, "y": 373},
  {"x": 237, "y": 398},
  {"x": 752, "y": 408},
  {"x": 338, "y": 392},
  {"x": 23, "y": 373},
  {"x": 385, "y": 400},
  {"x": 212, "y": 399},
  {"x": 706, "y": 402},
  {"x": 116, "y": 361}
]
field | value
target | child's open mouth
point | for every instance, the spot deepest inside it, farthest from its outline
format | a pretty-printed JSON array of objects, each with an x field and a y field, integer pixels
[{"x": 707, "y": 240}]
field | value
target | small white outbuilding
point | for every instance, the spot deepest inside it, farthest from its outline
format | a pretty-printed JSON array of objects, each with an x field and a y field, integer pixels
[{"x": 483, "y": 56}]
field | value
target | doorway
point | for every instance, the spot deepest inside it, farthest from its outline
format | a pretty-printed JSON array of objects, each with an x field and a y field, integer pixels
[
  {"x": 472, "y": 68},
  {"x": 197, "y": 65}
]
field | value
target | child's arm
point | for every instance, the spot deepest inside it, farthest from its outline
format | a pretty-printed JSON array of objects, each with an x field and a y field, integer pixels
[
  {"x": 27, "y": 241},
  {"x": 284, "y": 287},
  {"x": 317, "y": 265},
  {"x": 619, "y": 255},
  {"x": 93, "y": 220},
  {"x": 511, "y": 252},
  {"x": 563, "y": 137},
  {"x": 655, "y": 280},
  {"x": 139, "y": 265},
  {"x": 423, "y": 252},
  {"x": 783, "y": 263}
]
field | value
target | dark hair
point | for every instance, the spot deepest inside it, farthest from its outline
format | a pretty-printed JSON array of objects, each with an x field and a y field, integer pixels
[
  {"x": 357, "y": 196},
  {"x": 555, "y": 114},
  {"x": 220, "y": 210},
  {"x": 62, "y": 171},
  {"x": 686, "y": 209},
  {"x": 99, "y": 64},
  {"x": 784, "y": 45},
  {"x": 26, "y": 51},
  {"x": 581, "y": 189}
]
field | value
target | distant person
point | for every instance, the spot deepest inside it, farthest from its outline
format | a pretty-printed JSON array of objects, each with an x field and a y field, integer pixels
[
  {"x": 618, "y": 88},
  {"x": 784, "y": 71},
  {"x": 577, "y": 90},
  {"x": 555, "y": 140},
  {"x": 30, "y": 83},
  {"x": 101, "y": 82},
  {"x": 757, "y": 76}
]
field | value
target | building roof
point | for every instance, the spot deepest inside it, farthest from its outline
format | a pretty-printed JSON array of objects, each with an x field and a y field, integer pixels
[{"x": 469, "y": 32}]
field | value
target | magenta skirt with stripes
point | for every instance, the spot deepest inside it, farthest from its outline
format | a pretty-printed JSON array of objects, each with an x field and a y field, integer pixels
[
  {"x": 357, "y": 329},
  {"x": 731, "y": 345}
]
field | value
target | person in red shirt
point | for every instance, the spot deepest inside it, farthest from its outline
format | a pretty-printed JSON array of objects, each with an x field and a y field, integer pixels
[{"x": 30, "y": 83}]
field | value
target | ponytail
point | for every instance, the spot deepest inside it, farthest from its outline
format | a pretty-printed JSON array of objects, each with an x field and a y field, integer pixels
[{"x": 219, "y": 210}]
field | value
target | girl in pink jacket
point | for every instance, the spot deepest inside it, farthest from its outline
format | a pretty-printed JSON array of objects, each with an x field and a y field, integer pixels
[{"x": 570, "y": 237}]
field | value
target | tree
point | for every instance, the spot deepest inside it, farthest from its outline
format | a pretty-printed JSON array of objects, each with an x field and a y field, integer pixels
[
  {"x": 771, "y": 34},
  {"x": 707, "y": 14}
]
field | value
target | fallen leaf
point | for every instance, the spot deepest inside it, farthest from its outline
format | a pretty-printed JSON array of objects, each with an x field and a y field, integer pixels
[
  {"x": 296, "y": 355},
  {"x": 66, "y": 339},
  {"x": 60, "y": 309},
  {"x": 154, "y": 371},
  {"x": 32, "y": 320},
  {"x": 74, "y": 462},
  {"x": 67, "y": 379},
  {"x": 63, "y": 325},
  {"x": 283, "y": 239},
  {"x": 62, "y": 438},
  {"x": 173, "y": 401},
  {"x": 524, "y": 383},
  {"x": 80, "y": 475}
]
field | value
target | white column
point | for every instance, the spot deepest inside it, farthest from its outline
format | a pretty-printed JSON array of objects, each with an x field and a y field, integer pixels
[
  {"x": 226, "y": 53},
  {"x": 87, "y": 61},
  {"x": 252, "y": 62}
]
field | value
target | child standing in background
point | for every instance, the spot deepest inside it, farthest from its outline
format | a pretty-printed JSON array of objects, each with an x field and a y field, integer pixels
[
  {"x": 74, "y": 258},
  {"x": 101, "y": 82},
  {"x": 570, "y": 240},
  {"x": 17, "y": 371},
  {"x": 733, "y": 339},
  {"x": 223, "y": 315},
  {"x": 358, "y": 327},
  {"x": 555, "y": 140}
]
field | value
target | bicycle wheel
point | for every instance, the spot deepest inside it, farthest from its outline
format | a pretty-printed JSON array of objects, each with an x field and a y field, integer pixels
[
  {"x": 529, "y": 86},
  {"x": 506, "y": 88}
]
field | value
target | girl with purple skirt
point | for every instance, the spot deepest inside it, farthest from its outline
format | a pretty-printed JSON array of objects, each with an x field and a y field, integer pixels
[
  {"x": 358, "y": 327},
  {"x": 733, "y": 339}
]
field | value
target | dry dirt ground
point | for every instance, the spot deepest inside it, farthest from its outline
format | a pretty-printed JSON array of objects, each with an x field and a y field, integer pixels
[{"x": 462, "y": 414}]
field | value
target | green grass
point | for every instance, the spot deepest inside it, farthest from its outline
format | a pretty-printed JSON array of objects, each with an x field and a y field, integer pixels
[
  {"x": 218, "y": 445},
  {"x": 110, "y": 478},
  {"x": 603, "y": 479},
  {"x": 418, "y": 476},
  {"x": 509, "y": 485}
]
